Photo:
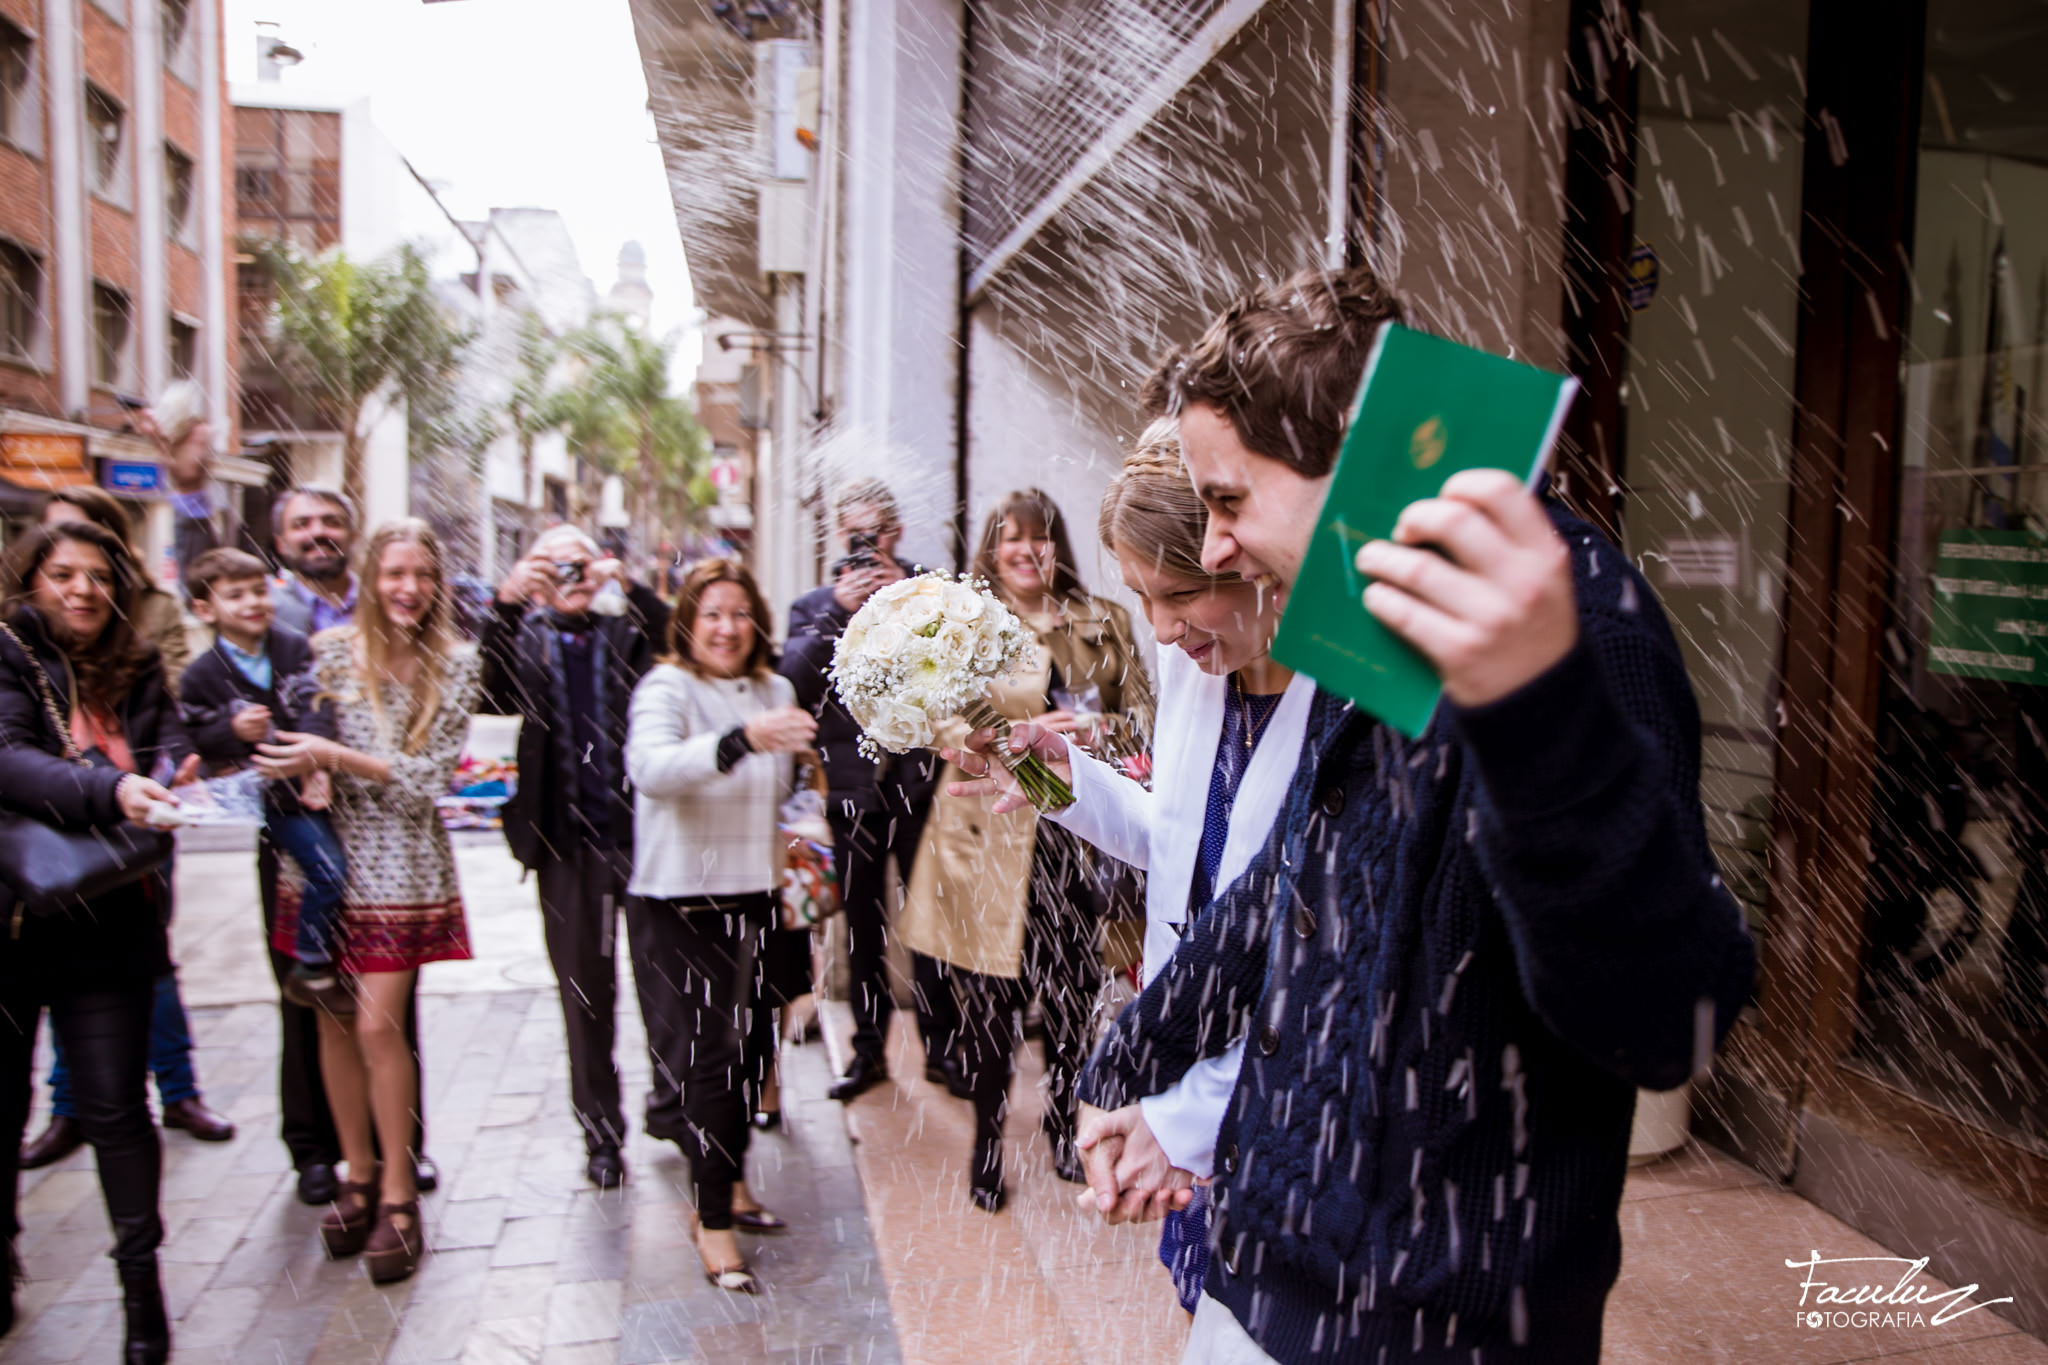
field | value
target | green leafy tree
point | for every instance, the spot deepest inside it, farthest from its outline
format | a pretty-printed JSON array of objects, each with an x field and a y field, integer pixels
[
  {"x": 345, "y": 332},
  {"x": 619, "y": 414}
]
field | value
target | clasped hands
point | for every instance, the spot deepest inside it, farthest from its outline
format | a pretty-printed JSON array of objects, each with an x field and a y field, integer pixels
[{"x": 1130, "y": 1179}]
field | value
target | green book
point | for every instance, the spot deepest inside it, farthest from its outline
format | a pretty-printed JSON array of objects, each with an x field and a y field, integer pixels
[{"x": 1426, "y": 409}]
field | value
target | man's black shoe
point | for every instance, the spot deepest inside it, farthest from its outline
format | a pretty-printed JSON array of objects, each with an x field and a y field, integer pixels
[
  {"x": 676, "y": 1130},
  {"x": 426, "y": 1176},
  {"x": 863, "y": 1074},
  {"x": 606, "y": 1168},
  {"x": 318, "y": 1184},
  {"x": 947, "y": 1072},
  {"x": 59, "y": 1140}
]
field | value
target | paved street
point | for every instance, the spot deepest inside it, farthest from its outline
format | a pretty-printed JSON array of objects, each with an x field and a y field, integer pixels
[{"x": 886, "y": 1261}]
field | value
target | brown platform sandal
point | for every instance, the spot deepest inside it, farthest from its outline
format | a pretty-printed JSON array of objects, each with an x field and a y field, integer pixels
[
  {"x": 346, "y": 1224},
  {"x": 393, "y": 1251}
]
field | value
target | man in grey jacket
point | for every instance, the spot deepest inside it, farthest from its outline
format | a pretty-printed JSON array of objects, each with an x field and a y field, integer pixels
[{"x": 313, "y": 530}]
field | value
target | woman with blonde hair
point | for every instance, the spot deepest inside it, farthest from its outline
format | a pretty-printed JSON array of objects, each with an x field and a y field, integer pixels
[
  {"x": 1230, "y": 728},
  {"x": 708, "y": 748},
  {"x": 403, "y": 686},
  {"x": 1006, "y": 904}
]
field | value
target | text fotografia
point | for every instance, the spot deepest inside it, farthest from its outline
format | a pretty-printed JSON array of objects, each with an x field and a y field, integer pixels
[{"x": 1836, "y": 1298}]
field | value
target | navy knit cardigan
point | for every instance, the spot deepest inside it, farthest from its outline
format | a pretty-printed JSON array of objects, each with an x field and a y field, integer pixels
[{"x": 1453, "y": 965}]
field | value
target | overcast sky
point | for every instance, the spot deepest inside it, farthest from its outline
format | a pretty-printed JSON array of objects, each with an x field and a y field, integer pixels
[{"x": 502, "y": 104}]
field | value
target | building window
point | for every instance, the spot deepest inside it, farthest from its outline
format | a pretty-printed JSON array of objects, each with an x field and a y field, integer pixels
[
  {"x": 117, "y": 10},
  {"x": 112, "y": 325},
  {"x": 21, "y": 303},
  {"x": 184, "y": 349},
  {"x": 105, "y": 123},
  {"x": 177, "y": 194},
  {"x": 175, "y": 28},
  {"x": 19, "y": 123}
]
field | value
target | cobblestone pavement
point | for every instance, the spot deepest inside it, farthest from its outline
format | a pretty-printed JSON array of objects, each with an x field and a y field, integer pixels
[
  {"x": 528, "y": 1263},
  {"x": 886, "y": 1262}
]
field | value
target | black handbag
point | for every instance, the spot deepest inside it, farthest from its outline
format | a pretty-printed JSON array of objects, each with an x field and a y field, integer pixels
[{"x": 46, "y": 869}]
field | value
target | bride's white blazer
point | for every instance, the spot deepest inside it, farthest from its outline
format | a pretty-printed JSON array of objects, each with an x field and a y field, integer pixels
[{"x": 1160, "y": 831}]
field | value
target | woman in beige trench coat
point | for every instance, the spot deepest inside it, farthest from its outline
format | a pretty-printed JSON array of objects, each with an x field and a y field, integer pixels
[{"x": 1006, "y": 902}]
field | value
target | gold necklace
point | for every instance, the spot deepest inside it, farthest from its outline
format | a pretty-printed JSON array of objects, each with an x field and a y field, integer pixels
[{"x": 1251, "y": 731}]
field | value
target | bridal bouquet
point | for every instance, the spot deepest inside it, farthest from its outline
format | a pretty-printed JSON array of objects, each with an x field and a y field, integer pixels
[{"x": 923, "y": 650}]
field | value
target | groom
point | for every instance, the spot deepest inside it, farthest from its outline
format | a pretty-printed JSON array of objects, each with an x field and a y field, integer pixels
[{"x": 1460, "y": 955}]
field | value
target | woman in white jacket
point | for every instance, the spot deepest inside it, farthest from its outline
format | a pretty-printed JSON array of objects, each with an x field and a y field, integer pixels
[
  {"x": 707, "y": 747},
  {"x": 1227, "y": 736}
]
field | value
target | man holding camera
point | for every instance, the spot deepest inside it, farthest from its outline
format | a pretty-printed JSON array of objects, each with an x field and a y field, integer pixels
[
  {"x": 875, "y": 809},
  {"x": 569, "y": 672}
]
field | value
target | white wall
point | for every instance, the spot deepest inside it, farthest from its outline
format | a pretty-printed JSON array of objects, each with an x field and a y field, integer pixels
[
  {"x": 387, "y": 485},
  {"x": 1028, "y": 428}
]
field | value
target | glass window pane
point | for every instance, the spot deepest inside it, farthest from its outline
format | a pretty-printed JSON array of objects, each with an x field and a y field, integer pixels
[
  {"x": 1955, "y": 991},
  {"x": 1714, "y": 298}
]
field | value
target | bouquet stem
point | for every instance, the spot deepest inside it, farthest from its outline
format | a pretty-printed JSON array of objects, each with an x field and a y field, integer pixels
[{"x": 1040, "y": 782}]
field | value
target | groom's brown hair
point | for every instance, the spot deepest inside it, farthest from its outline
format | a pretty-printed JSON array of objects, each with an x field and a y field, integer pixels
[{"x": 1282, "y": 364}]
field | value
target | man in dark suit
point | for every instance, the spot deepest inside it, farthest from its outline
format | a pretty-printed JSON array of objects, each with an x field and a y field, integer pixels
[
  {"x": 569, "y": 674},
  {"x": 876, "y": 810}
]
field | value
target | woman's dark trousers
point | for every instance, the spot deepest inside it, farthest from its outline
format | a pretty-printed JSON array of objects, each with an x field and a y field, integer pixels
[
  {"x": 707, "y": 1029},
  {"x": 106, "y": 1040},
  {"x": 1062, "y": 970}
]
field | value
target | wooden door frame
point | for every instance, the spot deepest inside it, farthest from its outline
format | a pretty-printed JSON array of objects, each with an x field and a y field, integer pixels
[{"x": 1859, "y": 202}]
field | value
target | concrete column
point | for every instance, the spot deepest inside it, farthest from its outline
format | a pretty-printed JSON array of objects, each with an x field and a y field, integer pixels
[
  {"x": 778, "y": 536},
  {"x": 870, "y": 254},
  {"x": 901, "y": 324},
  {"x": 146, "y": 130},
  {"x": 1475, "y": 144},
  {"x": 213, "y": 219},
  {"x": 71, "y": 253}
]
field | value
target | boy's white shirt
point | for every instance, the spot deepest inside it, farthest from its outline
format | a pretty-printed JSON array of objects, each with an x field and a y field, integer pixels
[{"x": 1160, "y": 831}]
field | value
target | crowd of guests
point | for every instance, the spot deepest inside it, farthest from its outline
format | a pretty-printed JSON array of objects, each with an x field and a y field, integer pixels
[{"x": 1397, "y": 994}]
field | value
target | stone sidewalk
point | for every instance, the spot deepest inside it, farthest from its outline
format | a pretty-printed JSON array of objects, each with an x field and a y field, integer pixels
[
  {"x": 529, "y": 1264},
  {"x": 886, "y": 1262}
]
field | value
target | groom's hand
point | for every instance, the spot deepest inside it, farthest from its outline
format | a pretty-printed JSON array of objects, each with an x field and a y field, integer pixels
[
  {"x": 1130, "y": 1179},
  {"x": 1493, "y": 607}
]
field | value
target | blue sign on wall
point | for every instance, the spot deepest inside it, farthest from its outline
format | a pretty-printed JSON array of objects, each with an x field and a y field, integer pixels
[{"x": 121, "y": 476}]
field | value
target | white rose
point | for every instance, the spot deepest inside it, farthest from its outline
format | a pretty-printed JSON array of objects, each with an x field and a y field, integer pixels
[
  {"x": 954, "y": 646},
  {"x": 898, "y": 726},
  {"x": 991, "y": 646},
  {"x": 964, "y": 604},
  {"x": 884, "y": 598},
  {"x": 922, "y": 601},
  {"x": 885, "y": 639}
]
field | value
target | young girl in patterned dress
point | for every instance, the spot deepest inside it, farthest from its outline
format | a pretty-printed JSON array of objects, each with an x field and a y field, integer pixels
[{"x": 403, "y": 687}]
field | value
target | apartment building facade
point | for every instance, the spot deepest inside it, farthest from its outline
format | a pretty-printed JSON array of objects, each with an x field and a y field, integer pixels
[{"x": 115, "y": 259}]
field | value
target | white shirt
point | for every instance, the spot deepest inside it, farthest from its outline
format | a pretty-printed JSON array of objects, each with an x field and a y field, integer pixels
[{"x": 1160, "y": 831}]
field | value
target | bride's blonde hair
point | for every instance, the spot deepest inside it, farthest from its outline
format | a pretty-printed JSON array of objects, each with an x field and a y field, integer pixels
[
  {"x": 433, "y": 639},
  {"x": 1150, "y": 509}
]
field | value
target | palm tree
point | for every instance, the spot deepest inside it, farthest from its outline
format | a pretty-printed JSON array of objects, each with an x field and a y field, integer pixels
[
  {"x": 620, "y": 416},
  {"x": 344, "y": 332}
]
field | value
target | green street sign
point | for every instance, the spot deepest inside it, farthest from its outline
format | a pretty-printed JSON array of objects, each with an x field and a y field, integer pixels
[{"x": 1991, "y": 607}]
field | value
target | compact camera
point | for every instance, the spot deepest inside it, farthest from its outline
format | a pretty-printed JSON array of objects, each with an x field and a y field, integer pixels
[
  {"x": 862, "y": 552},
  {"x": 568, "y": 571}
]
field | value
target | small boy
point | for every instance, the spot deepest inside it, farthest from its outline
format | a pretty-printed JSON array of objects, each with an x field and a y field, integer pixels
[{"x": 255, "y": 681}]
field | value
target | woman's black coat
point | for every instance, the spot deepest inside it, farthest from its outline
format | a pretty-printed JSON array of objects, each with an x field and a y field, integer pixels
[{"x": 119, "y": 938}]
